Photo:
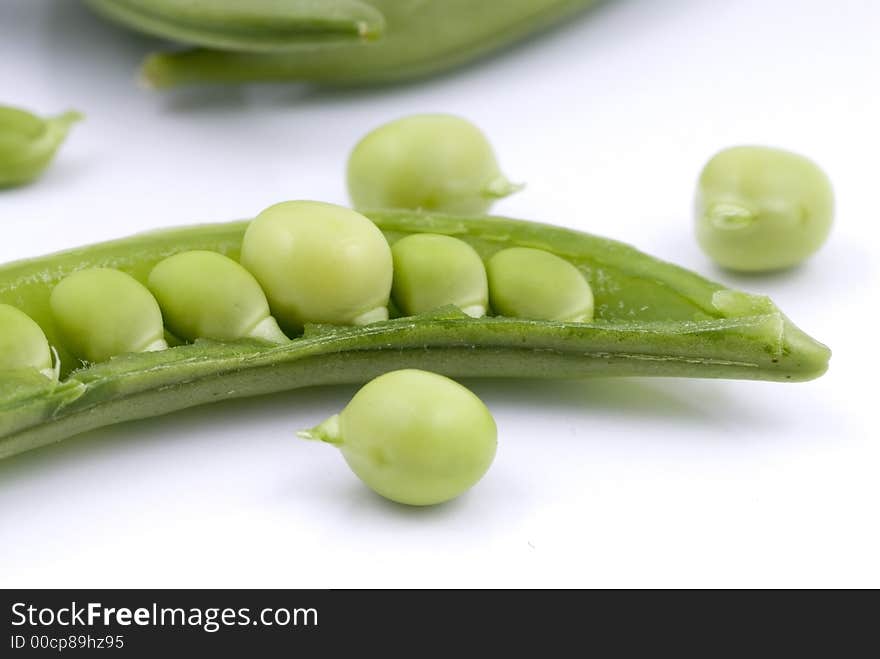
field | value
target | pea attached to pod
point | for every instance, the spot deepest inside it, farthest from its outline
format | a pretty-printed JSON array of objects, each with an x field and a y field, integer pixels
[
  {"x": 101, "y": 313},
  {"x": 204, "y": 294},
  {"x": 534, "y": 284},
  {"x": 319, "y": 263},
  {"x": 413, "y": 436},
  {"x": 23, "y": 343},
  {"x": 432, "y": 270}
]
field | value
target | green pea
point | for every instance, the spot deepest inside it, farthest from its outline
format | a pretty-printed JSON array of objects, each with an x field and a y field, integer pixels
[
  {"x": 28, "y": 143},
  {"x": 434, "y": 162},
  {"x": 760, "y": 209},
  {"x": 319, "y": 263},
  {"x": 414, "y": 437},
  {"x": 23, "y": 343},
  {"x": 431, "y": 270},
  {"x": 531, "y": 283},
  {"x": 204, "y": 294},
  {"x": 101, "y": 313}
]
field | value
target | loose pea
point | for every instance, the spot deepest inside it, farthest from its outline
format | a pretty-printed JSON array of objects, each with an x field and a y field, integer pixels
[
  {"x": 319, "y": 263},
  {"x": 204, "y": 294},
  {"x": 28, "y": 143},
  {"x": 531, "y": 283},
  {"x": 23, "y": 343},
  {"x": 102, "y": 313},
  {"x": 759, "y": 208},
  {"x": 430, "y": 161},
  {"x": 414, "y": 437},
  {"x": 431, "y": 270}
]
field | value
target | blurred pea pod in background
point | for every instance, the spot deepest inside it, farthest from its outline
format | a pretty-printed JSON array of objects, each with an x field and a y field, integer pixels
[{"x": 332, "y": 41}]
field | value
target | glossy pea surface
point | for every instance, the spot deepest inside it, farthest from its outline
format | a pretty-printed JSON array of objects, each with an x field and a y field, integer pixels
[
  {"x": 760, "y": 208},
  {"x": 414, "y": 437},
  {"x": 204, "y": 294},
  {"x": 319, "y": 263},
  {"x": 101, "y": 313},
  {"x": 432, "y": 270},
  {"x": 433, "y": 162},
  {"x": 22, "y": 342},
  {"x": 534, "y": 284}
]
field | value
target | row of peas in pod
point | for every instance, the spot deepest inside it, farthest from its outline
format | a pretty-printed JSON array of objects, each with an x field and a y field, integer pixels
[
  {"x": 302, "y": 262},
  {"x": 310, "y": 262}
]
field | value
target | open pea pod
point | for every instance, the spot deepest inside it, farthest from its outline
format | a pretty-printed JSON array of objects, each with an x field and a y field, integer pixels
[
  {"x": 652, "y": 319},
  {"x": 335, "y": 41}
]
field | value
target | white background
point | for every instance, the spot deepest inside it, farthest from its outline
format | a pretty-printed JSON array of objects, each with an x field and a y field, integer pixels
[{"x": 597, "y": 483}]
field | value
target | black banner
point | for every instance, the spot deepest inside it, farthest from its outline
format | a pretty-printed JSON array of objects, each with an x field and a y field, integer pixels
[{"x": 392, "y": 623}]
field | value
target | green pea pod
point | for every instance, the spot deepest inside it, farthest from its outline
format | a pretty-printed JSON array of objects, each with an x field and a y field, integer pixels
[
  {"x": 28, "y": 143},
  {"x": 253, "y": 26},
  {"x": 651, "y": 319},
  {"x": 417, "y": 38}
]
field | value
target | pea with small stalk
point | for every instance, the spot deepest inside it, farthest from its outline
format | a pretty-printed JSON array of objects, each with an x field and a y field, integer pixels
[
  {"x": 760, "y": 209},
  {"x": 435, "y": 162},
  {"x": 413, "y": 437}
]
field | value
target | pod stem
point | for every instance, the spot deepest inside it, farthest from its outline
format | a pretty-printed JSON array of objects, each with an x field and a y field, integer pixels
[
  {"x": 327, "y": 431},
  {"x": 268, "y": 330},
  {"x": 474, "y": 310},
  {"x": 500, "y": 187},
  {"x": 156, "y": 346},
  {"x": 54, "y": 371},
  {"x": 371, "y": 316}
]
